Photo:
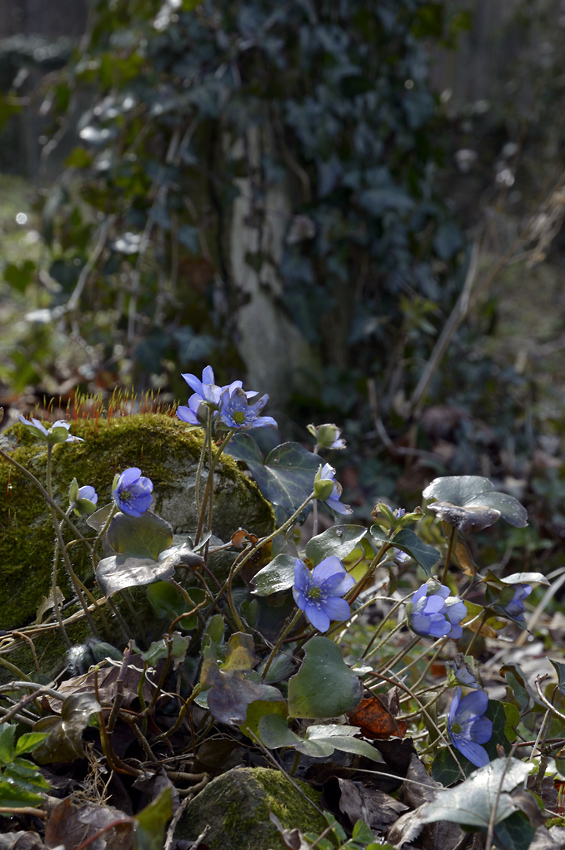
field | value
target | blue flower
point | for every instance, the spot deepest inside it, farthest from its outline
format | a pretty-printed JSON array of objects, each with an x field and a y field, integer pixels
[
  {"x": 432, "y": 612},
  {"x": 205, "y": 392},
  {"x": 82, "y": 499},
  {"x": 240, "y": 410},
  {"x": 132, "y": 492},
  {"x": 88, "y": 492},
  {"x": 318, "y": 593},
  {"x": 57, "y": 433},
  {"x": 467, "y": 727},
  {"x": 327, "y": 490},
  {"x": 515, "y": 607}
]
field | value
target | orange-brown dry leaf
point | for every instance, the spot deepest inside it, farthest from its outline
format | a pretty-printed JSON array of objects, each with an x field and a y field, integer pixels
[{"x": 376, "y": 721}]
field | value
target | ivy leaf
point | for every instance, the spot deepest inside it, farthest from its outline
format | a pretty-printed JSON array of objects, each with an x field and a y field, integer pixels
[
  {"x": 324, "y": 685},
  {"x": 285, "y": 477},
  {"x": 339, "y": 540}
]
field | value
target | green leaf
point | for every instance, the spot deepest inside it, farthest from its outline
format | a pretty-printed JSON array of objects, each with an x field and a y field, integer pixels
[
  {"x": 407, "y": 541},
  {"x": 276, "y": 576},
  {"x": 118, "y": 572},
  {"x": 139, "y": 537},
  {"x": 472, "y": 803},
  {"x": 159, "y": 649},
  {"x": 274, "y": 732},
  {"x": 64, "y": 739},
  {"x": 469, "y": 491},
  {"x": 168, "y": 602},
  {"x": 560, "y": 670},
  {"x": 515, "y": 832},
  {"x": 28, "y": 742},
  {"x": 339, "y": 541},
  {"x": 512, "y": 721},
  {"x": 285, "y": 477},
  {"x": 20, "y": 275},
  {"x": 324, "y": 685},
  {"x": 259, "y": 709},
  {"x": 7, "y": 748},
  {"x": 240, "y": 654},
  {"x": 12, "y": 796},
  {"x": 150, "y": 823},
  {"x": 362, "y": 833}
]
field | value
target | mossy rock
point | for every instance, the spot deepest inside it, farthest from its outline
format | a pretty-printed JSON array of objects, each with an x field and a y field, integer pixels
[
  {"x": 236, "y": 806},
  {"x": 166, "y": 452}
]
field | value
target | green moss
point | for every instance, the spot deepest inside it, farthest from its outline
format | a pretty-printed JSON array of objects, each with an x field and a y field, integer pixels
[
  {"x": 159, "y": 445},
  {"x": 237, "y": 806}
]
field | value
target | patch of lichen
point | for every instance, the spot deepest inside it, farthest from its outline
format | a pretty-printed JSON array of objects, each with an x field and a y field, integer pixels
[{"x": 148, "y": 441}]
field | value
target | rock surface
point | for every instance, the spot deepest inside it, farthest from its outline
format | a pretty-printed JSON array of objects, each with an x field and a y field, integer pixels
[
  {"x": 237, "y": 804},
  {"x": 165, "y": 451}
]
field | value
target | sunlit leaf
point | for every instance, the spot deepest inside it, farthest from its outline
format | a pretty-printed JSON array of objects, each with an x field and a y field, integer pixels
[
  {"x": 339, "y": 541},
  {"x": 276, "y": 576},
  {"x": 473, "y": 802},
  {"x": 474, "y": 491},
  {"x": 120, "y": 571}
]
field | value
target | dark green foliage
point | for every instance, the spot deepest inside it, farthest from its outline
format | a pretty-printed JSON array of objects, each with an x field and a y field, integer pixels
[{"x": 338, "y": 96}]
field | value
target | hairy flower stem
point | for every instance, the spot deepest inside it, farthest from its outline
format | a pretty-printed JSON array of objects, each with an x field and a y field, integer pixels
[
  {"x": 63, "y": 550},
  {"x": 248, "y": 553},
  {"x": 286, "y": 630},
  {"x": 207, "y": 439},
  {"x": 399, "y": 655},
  {"x": 385, "y": 640},
  {"x": 360, "y": 587},
  {"x": 378, "y": 630},
  {"x": 448, "y": 554},
  {"x": 207, "y": 499},
  {"x": 477, "y": 633}
]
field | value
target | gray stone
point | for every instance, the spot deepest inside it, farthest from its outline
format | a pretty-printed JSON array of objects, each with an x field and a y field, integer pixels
[{"x": 237, "y": 804}]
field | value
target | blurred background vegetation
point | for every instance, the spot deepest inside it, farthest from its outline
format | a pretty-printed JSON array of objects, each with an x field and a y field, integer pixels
[{"x": 355, "y": 207}]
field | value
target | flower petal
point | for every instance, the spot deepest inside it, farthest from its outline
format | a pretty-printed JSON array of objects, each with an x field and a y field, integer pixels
[
  {"x": 317, "y": 616},
  {"x": 476, "y": 754},
  {"x": 337, "y": 608}
]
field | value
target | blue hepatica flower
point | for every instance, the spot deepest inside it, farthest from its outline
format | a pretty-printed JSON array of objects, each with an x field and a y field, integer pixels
[
  {"x": 82, "y": 499},
  {"x": 318, "y": 593},
  {"x": 515, "y": 607},
  {"x": 57, "y": 433},
  {"x": 205, "y": 392},
  {"x": 240, "y": 410},
  {"x": 327, "y": 490},
  {"x": 132, "y": 492},
  {"x": 467, "y": 727},
  {"x": 432, "y": 612}
]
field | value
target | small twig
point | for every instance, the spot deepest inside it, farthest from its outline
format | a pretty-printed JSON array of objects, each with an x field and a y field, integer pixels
[{"x": 174, "y": 823}]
